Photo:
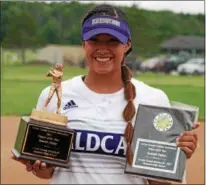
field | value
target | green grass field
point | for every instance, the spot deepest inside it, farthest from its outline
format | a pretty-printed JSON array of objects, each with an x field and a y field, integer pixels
[{"x": 21, "y": 86}]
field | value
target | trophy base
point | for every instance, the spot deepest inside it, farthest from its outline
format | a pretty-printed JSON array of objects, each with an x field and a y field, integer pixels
[
  {"x": 45, "y": 140},
  {"x": 33, "y": 159},
  {"x": 41, "y": 115}
]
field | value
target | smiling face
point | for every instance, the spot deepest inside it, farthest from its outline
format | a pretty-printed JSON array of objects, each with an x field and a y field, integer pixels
[{"x": 104, "y": 53}]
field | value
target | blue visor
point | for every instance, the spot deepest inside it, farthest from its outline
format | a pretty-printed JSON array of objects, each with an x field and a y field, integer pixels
[{"x": 106, "y": 25}]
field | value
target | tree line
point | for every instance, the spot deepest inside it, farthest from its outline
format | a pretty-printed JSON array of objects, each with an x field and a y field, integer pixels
[{"x": 35, "y": 24}]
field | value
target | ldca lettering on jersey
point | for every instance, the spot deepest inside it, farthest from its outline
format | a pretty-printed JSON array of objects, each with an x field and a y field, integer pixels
[{"x": 99, "y": 143}]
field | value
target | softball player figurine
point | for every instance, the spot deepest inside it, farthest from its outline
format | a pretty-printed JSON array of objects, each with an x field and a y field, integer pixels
[{"x": 56, "y": 74}]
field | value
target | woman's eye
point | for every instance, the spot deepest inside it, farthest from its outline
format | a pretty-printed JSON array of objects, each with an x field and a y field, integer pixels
[
  {"x": 113, "y": 42},
  {"x": 110, "y": 41},
  {"x": 93, "y": 39}
]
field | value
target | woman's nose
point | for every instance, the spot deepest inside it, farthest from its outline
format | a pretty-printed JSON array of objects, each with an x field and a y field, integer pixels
[{"x": 102, "y": 50}]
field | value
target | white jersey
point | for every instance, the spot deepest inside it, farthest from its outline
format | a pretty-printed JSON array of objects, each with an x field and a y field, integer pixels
[{"x": 98, "y": 153}]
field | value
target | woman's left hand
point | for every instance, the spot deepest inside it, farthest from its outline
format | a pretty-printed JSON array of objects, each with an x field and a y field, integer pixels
[{"x": 187, "y": 141}]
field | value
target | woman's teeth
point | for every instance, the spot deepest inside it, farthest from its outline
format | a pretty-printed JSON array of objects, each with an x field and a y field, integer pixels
[{"x": 102, "y": 59}]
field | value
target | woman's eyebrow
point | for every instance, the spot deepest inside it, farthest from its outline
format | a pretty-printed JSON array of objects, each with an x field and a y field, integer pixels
[{"x": 108, "y": 40}]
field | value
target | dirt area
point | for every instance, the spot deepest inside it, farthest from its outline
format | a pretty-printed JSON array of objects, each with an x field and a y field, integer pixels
[{"x": 14, "y": 173}]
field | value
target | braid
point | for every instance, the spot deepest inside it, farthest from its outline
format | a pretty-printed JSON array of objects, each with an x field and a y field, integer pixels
[
  {"x": 129, "y": 93},
  {"x": 129, "y": 110}
]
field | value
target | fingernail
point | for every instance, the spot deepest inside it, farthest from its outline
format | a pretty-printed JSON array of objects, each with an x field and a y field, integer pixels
[
  {"x": 29, "y": 168},
  {"x": 43, "y": 167}
]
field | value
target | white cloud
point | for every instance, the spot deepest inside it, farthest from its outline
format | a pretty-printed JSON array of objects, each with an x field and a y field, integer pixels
[
  {"x": 192, "y": 7},
  {"x": 176, "y": 6}
]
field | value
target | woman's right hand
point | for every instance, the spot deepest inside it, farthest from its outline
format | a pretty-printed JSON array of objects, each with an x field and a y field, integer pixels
[{"x": 38, "y": 168}]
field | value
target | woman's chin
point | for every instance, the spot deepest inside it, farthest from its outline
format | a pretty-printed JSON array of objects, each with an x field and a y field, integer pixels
[{"x": 103, "y": 71}]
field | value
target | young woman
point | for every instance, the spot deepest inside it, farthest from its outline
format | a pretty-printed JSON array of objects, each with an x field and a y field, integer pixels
[{"x": 101, "y": 106}]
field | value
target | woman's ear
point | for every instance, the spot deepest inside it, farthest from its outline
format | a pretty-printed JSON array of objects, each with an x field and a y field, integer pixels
[
  {"x": 128, "y": 45},
  {"x": 83, "y": 44}
]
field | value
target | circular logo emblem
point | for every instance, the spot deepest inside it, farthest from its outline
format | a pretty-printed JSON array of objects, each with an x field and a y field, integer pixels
[{"x": 163, "y": 122}]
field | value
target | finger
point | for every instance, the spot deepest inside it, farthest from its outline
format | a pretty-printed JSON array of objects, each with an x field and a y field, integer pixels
[
  {"x": 189, "y": 133},
  {"x": 187, "y": 138},
  {"x": 43, "y": 166},
  {"x": 187, "y": 151},
  {"x": 195, "y": 135},
  {"x": 189, "y": 145},
  {"x": 29, "y": 166},
  {"x": 196, "y": 125},
  {"x": 36, "y": 166}
]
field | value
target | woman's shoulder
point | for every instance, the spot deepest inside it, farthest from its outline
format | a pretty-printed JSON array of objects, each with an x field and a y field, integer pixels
[
  {"x": 144, "y": 88},
  {"x": 148, "y": 94}
]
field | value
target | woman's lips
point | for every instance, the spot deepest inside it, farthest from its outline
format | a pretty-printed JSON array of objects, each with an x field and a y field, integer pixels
[{"x": 100, "y": 59}]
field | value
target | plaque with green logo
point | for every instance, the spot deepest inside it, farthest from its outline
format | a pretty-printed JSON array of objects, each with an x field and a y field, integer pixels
[{"x": 155, "y": 154}]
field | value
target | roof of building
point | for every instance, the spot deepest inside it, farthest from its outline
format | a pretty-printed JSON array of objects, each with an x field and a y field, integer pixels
[{"x": 184, "y": 42}]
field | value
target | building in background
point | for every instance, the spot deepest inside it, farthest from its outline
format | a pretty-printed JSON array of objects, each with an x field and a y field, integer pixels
[
  {"x": 192, "y": 44},
  {"x": 67, "y": 55}
]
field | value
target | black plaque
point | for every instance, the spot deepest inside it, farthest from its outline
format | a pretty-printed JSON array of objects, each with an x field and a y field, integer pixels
[
  {"x": 155, "y": 154},
  {"x": 50, "y": 143},
  {"x": 47, "y": 142}
]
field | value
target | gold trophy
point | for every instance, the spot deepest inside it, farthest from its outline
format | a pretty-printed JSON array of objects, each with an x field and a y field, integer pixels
[{"x": 43, "y": 135}]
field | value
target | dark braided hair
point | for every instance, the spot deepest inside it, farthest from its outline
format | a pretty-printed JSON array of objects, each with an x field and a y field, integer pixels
[{"x": 129, "y": 88}]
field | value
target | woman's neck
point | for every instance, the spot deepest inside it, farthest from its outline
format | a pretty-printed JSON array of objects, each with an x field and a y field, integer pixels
[{"x": 104, "y": 83}]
